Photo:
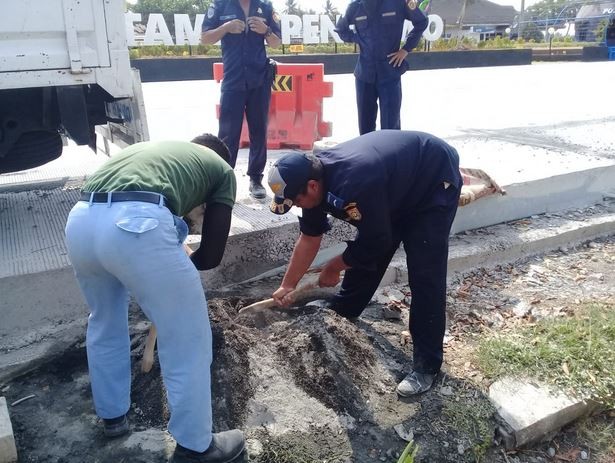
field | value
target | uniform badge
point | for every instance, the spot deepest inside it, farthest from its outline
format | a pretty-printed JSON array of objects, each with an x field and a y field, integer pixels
[
  {"x": 412, "y": 4},
  {"x": 210, "y": 12},
  {"x": 276, "y": 17},
  {"x": 276, "y": 187},
  {"x": 352, "y": 212},
  {"x": 259, "y": 11}
]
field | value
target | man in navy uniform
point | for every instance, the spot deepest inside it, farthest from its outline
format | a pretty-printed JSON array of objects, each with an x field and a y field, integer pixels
[
  {"x": 378, "y": 27},
  {"x": 395, "y": 187},
  {"x": 244, "y": 26}
]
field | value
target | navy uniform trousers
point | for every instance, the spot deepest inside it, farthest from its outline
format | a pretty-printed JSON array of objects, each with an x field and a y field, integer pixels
[
  {"x": 255, "y": 103},
  {"x": 388, "y": 93},
  {"x": 425, "y": 236}
]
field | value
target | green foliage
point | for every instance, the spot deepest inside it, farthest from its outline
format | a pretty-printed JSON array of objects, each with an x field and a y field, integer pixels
[
  {"x": 471, "y": 418},
  {"x": 531, "y": 32},
  {"x": 598, "y": 433},
  {"x": 575, "y": 353},
  {"x": 551, "y": 9},
  {"x": 601, "y": 30},
  {"x": 497, "y": 43},
  {"x": 330, "y": 10},
  {"x": 169, "y": 7},
  {"x": 291, "y": 7},
  {"x": 409, "y": 453}
]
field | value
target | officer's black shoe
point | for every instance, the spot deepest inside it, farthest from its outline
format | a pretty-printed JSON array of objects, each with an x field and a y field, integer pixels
[
  {"x": 257, "y": 190},
  {"x": 415, "y": 383},
  {"x": 116, "y": 427},
  {"x": 226, "y": 447}
]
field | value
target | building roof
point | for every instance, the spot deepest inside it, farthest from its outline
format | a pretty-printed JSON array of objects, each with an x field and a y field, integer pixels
[{"x": 478, "y": 12}]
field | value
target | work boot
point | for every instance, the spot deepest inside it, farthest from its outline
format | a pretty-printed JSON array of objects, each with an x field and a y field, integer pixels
[
  {"x": 257, "y": 190},
  {"x": 415, "y": 383},
  {"x": 116, "y": 427},
  {"x": 225, "y": 447}
]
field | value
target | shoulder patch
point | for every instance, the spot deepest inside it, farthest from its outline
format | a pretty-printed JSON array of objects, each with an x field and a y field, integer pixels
[
  {"x": 352, "y": 212},
  {"x": 411, "y": 4},
  {"x": 211, "y": 11},
  {"x": 337, "y": 203},
  {"x": 276, "y": 17}
]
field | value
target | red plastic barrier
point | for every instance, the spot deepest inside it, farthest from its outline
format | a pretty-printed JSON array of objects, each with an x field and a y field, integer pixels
[{"x": 295, "y": 111}]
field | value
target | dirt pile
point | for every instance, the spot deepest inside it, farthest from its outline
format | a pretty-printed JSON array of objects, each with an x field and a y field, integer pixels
[{"x": 309, "y": 386}]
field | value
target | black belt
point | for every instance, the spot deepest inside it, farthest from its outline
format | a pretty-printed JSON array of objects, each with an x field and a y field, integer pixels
[{"x": 118, "y": 196}]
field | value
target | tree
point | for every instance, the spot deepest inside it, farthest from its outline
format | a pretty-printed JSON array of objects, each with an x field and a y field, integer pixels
[
  {"x": 553, "y": 9},
  {"x": 292, "y": 8},
  {"x": 330, "y": 10},
  {"x": 169, "y": 7}
]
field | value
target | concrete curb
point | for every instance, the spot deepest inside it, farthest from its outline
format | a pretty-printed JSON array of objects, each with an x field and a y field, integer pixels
[
  {"x": 8, "y": 451},
  {"x": 533, "y": 411}
]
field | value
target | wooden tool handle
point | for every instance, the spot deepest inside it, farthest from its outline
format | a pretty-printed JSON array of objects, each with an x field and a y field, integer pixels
[
  {"x": 148, "y": 353},
  {"x": 270, "y": 303}
]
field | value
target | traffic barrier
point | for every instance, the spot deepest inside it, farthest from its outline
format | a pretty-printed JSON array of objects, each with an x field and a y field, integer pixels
[{"x": 295, "y": 111}]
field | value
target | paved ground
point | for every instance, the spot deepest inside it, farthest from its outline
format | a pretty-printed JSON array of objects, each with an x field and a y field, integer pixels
[{"x": 519, "y": 122}]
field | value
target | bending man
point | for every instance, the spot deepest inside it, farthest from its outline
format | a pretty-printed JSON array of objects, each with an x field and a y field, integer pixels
[
  {"x": 395, "y": 187},
  {"x": 126, "y": 236}
]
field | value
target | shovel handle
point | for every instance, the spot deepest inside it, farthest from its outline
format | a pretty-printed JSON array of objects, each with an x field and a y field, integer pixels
[
  {"x": 270, "y": 303},
  {"x": 148, "y": 353}
]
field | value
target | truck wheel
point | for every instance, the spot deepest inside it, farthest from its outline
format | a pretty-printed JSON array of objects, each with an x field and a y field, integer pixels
[{"x": 32, "y": 149}]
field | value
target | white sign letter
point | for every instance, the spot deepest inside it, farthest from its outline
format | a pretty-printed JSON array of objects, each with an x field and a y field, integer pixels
[
  {"x": 157, "y": 31},
  {"x": 131, "y": 18},
  {"x": 310, "y": 28},
  {"x": 291, "y": 26},
  {"x": 184, "y": 33},
  {"x": 435, "y": 28},
  {"x": 327, "y": 28}
]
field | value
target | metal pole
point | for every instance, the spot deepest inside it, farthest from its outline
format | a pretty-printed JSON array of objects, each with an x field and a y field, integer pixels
[{"x": 521, "y": 20}]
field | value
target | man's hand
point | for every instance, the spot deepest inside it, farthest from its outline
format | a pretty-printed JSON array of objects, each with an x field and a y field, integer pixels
[
  {"x": 188, "y": 250},
  {"x": 236, "y": 26},
  {"x": 280, "y": 296},
  {"x": 257, "y": 25},
  {"x": 329, "y": 277},
  {"x": 398, "y": 57}
]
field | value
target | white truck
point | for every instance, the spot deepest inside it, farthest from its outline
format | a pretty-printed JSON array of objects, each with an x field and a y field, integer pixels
[{"x": 65, "y": 72}]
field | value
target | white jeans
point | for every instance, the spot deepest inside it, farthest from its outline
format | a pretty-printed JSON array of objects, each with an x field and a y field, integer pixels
[{"x": 137, "y": 247}]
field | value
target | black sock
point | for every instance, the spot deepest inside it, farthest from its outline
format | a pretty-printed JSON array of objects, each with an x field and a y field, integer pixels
[
  {"x": 181, "y": 448},
  {"x": 112, "y": 421}
]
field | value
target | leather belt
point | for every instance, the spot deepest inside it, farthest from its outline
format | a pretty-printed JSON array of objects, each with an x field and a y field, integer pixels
[{"x": 119, "y": 196}]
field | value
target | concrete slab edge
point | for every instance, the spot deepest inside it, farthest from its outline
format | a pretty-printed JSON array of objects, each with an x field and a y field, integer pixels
[{"x": 8, "y": 450}]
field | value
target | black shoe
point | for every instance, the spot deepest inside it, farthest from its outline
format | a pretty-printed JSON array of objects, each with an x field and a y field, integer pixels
[
  {"x": 116, "y": 427},
  {"x": 257, "y": 190},
  {"x": 415, "y": 383},
  {"x": 225, "y": 447}
]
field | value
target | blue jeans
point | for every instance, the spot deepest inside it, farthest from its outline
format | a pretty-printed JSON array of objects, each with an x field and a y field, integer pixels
[{"x": 136, "y": 247}]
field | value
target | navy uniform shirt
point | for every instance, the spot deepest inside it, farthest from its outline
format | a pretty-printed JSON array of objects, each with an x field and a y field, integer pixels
[
  {"x": 377, "y": 182},
  {"x": 244, "y": 57},
  {"x": 379, "y": 34}
]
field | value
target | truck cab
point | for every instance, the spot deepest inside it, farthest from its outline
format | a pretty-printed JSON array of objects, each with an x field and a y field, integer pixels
[{"x": 65, "y": 73}]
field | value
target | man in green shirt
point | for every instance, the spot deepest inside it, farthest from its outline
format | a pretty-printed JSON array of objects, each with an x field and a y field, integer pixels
[{"x": 126, "y": 236}]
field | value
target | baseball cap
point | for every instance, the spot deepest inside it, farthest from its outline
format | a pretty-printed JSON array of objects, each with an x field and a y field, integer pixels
[{"x": 287, "y": 178}]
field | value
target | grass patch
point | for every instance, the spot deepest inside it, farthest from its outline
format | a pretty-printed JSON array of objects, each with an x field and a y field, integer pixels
[
  {"x": 599, "y": 434},
  {"x": 576, "y": 353},
  {"x": 471, "y": 419},
  {"x": 299, "y": 448}
]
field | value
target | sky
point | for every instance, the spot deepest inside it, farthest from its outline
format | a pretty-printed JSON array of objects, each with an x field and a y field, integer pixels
[{"x": 318, "y": 5}]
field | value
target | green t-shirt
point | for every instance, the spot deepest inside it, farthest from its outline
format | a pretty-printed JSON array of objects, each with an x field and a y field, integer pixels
[{"x": 187, "y": 174}]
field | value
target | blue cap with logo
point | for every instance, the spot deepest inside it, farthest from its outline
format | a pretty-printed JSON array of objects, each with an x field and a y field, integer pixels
[{"x": 287, "y": 178}]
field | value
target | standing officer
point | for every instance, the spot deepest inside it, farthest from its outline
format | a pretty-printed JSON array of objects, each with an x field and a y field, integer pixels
[
  {"x": 244, "y": 26},
  {"x": 378, "y": 27},
  {"x": 395, "y": 187}
]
